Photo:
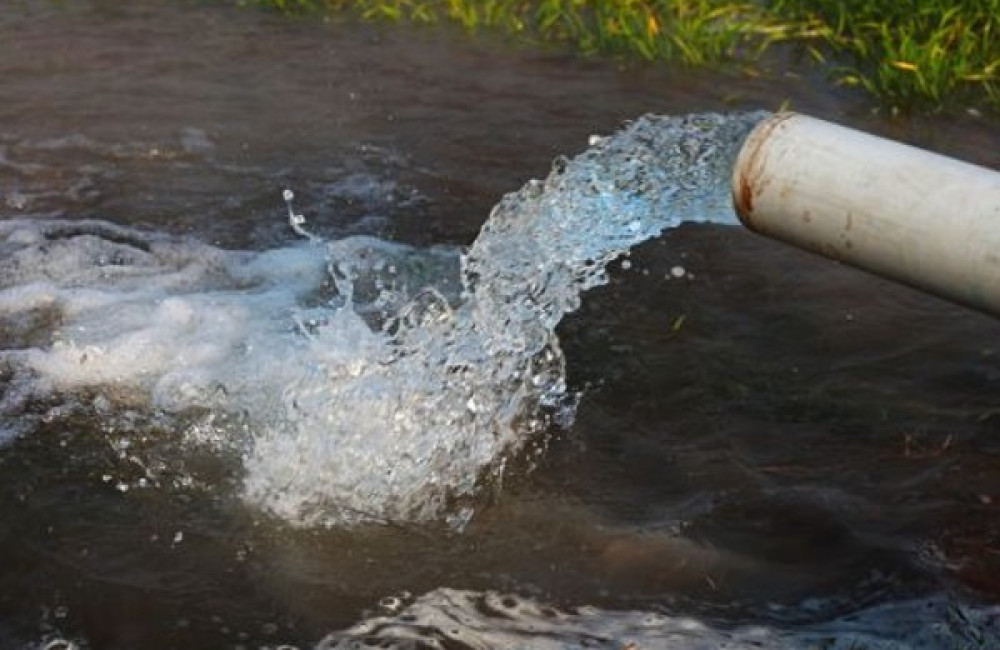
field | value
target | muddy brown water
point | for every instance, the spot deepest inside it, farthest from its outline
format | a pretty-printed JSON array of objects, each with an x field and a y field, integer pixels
[{"x": 764, "y": 430}]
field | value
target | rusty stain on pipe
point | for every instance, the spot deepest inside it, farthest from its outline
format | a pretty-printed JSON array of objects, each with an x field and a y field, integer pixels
[{"x": 750, "y": 167}]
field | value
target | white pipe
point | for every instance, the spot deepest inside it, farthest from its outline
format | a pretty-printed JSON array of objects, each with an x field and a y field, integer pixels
[{"x": 909, "y": 215}]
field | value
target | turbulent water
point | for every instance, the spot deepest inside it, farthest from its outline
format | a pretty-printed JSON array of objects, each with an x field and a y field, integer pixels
[
  {"x": 448, "y": 618},
  {"x": 361, "y": 381},
  {"x": 357, "y": 380}
]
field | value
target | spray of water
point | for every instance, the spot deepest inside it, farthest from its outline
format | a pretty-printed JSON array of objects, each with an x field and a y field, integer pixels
[
  {"x": 360, "y": 380},
  {"x": 408, "y": 426}
]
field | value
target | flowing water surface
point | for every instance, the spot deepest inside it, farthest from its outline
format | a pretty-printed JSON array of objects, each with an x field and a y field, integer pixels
[{"x": 378, "y": 411}]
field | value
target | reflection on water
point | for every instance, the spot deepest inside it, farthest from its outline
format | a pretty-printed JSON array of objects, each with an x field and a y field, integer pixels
[
  {"x": 765, "y": 443},
  {"x": 449, "y": 618}
]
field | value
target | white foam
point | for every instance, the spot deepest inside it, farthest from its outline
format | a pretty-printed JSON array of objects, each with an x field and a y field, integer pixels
[{"x": 115, "y": 310}]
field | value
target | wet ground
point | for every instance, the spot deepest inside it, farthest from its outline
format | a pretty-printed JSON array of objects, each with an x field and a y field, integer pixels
[{"x": 762, "y": 436}]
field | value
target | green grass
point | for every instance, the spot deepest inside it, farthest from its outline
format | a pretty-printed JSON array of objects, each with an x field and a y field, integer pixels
[
  {"x": 909, "y": 53},
  {"x": 925, "y": 55}
]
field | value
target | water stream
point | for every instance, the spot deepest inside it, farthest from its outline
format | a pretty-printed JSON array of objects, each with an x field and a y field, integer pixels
[{"x": 358, "y": 380}]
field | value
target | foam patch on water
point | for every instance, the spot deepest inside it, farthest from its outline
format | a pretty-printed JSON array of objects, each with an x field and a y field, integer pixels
[
  {"x": 96, "y": 313},
  {"x": 448, "y": 618},
  {"x": 360, "y": 380},
  {"x": 141, "y": 318}
]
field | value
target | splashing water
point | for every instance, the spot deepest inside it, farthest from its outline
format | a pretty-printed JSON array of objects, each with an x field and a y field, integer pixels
[{"x": 360, "y": 380}]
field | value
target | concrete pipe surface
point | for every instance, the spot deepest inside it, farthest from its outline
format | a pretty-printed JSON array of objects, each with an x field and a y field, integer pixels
[{"x": 904, "y": 213}]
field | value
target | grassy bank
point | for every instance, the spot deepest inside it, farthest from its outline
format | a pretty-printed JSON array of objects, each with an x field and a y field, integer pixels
[{"x": 924, "y": 55}]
